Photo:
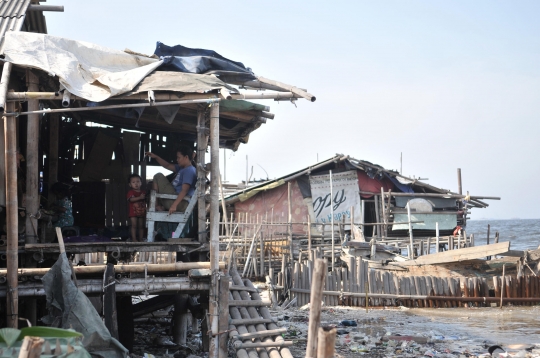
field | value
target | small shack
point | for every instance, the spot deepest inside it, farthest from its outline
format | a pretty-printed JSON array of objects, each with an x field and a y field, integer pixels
[{"x": 380, "y": 201}]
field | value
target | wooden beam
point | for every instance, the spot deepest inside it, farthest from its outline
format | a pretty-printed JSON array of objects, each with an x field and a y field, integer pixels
[{"x": 468, "y": 253}]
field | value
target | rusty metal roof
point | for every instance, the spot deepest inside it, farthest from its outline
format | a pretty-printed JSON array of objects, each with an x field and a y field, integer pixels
[{"x": 13, "y": 17}]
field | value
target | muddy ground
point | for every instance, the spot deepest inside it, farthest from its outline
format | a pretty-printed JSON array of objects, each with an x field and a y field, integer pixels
[{"x": 387, "y": 332}]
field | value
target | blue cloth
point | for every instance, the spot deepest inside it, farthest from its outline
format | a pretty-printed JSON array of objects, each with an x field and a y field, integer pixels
[
  {"x": 406, "y": 188},
  {"x": 186, "y": 175}
]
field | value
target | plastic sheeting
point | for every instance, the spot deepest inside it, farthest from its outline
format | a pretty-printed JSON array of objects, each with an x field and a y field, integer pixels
[
  {"x": 87, "y": 70},
  {"x": 69, "y": 308}
]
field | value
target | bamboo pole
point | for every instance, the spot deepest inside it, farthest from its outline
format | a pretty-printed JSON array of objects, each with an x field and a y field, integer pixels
[
  {"x": 12, "y": 218},
  {"x": 122, "y": 269},
  {"x": 317, "y": 288},
  {"x": 214, "y": 229}
]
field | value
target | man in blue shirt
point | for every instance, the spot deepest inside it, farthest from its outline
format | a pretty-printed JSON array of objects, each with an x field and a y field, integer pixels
[{"x": 183, "y": 184}]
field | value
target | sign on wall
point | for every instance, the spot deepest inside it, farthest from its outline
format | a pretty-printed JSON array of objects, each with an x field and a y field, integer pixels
[{"x": 346, "y": 195}]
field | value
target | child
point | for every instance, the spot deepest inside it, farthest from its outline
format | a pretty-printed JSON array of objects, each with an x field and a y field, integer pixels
[
  {"x": 137, "y": 207},
  {"x": 62, "y": 205}
]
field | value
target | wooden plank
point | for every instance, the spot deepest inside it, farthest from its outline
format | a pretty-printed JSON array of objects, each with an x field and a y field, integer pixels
[{"x": 468, "y": 253}]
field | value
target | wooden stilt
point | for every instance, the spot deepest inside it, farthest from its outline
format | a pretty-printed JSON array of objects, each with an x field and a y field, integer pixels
[
  {"x": 109, "y": 301},
  {"x": 180, "y": 319},
  {"x": 223, "y": 315}
]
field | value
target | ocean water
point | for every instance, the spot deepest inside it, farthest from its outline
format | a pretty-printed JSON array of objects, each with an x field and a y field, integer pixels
[{"x": 523, "y": 234}]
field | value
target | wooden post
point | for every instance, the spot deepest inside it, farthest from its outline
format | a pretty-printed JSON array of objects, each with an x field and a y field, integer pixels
[
  {"x": 309, "y": 232},
  {"x": 202, "y": 144},
  {"x": 289, "y": 203},
  {"x": 437, "y": 236},
  {"x": 411, "y": 251},
  {"x": 180, "y": 319},
  {"x": 327, "y": 342},
  {"x": 460, "y": 189},
  {"x": 332, "y": 213},
  {"x": 317, "y": 287},
  {"x": 352, "y": 222},
  {"x": 32, "y": 174},
  {"x": 12, "y": 218},
  {"x": 214, "y": 229},
  {"x": 109, "y": 301},
  {"x": 377, "y": 216},
  {"x": 502, "y": 286},
  {"x": 223, "y": 315}
]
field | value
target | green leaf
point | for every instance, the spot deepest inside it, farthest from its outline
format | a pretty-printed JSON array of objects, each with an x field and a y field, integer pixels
[
  {"x": 41, "y": 331},
  {"x": 9, "y": 335}
]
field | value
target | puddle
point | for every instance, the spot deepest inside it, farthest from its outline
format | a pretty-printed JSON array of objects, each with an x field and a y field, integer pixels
[{"x": 511, "y": 325}]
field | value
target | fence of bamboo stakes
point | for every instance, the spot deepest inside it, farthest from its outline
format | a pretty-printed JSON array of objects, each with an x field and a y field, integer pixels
[{"x": 355, "y": 284}]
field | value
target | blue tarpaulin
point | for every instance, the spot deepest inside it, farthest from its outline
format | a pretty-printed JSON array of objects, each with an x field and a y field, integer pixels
[{"x": 200, "y": 61}]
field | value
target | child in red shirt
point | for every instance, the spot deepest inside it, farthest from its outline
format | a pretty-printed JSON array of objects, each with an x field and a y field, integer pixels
[{"x": 137, "y": 207}]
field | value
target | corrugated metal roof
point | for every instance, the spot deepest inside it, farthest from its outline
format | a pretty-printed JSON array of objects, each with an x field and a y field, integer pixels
[{"x": 12, "y": 15}]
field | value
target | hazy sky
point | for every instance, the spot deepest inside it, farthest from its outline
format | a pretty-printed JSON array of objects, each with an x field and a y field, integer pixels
[{"x": 449, "y": 84}]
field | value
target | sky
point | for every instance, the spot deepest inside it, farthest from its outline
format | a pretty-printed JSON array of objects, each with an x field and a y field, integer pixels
[{"x": 445, "y": 84}]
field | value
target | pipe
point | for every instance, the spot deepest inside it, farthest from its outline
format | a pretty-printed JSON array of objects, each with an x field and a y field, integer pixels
[
  {"x": 66, "y": 98},
  {"x": 3, "y": 279},
  {"x": 3, "y": 257},
  {"x": 56, "y": 8}
]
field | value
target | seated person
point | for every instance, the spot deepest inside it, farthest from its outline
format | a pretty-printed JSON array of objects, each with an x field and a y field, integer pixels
[{"x": 183, "y": 184}]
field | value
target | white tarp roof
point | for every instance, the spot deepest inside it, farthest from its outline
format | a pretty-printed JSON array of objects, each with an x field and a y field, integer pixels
[{"x": 87, "y": 70}]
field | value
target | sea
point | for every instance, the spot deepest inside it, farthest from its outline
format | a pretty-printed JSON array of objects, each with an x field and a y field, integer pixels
[{"x": 523, "y": 234}]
